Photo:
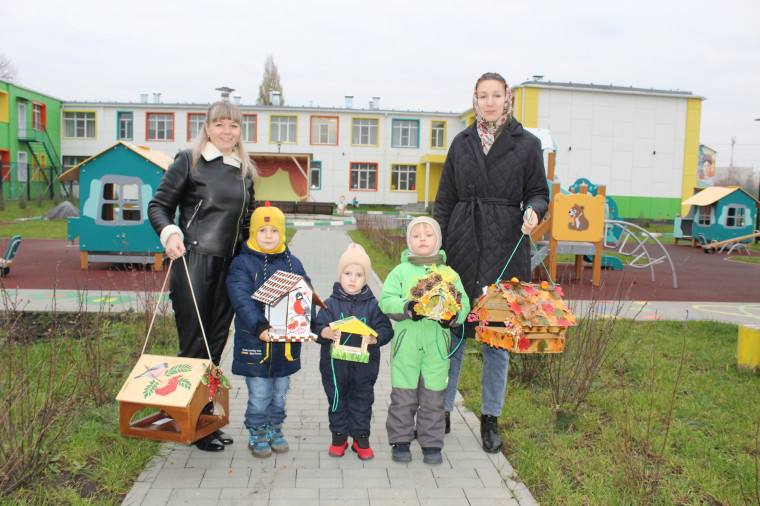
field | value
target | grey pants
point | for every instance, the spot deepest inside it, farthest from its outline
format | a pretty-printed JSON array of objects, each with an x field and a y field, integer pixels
[{"x": 427, "y": 405}]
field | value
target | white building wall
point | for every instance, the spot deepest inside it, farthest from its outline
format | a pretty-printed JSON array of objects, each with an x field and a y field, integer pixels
[
  {"x": 336, "y": 160},
  {"x": 632, "y": 143}
]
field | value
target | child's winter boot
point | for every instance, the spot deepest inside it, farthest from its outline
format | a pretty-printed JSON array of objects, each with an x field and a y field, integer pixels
[
  {"x": 361, "y": 446},
  {"x": 276, "y": 439},
  {"x": 258, "y": 441},
  {"x": 339, "y": 444}
]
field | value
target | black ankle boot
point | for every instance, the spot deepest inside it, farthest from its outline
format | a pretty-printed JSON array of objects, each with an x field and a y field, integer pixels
[{"x": 489, "y": 432}]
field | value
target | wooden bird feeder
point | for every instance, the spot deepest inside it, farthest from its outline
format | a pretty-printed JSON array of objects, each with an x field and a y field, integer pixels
[
  {"x": 522, "y": 317},
  {"x": 176, "y": 387},
  {"x": 351, "y": 325},
  {"x": 288, "y": 301}
]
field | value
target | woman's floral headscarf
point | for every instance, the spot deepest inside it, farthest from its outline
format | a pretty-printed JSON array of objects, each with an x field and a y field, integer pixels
[{"x": 486, "y": 129}]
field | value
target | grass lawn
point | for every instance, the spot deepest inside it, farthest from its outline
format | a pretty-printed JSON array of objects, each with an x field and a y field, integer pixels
[
  {"x": 26, "y": 222},
  {"x": 638, "y": 438}
]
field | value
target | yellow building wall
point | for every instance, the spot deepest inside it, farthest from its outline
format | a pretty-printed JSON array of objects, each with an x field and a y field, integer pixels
[
  {"x": 691, "y": 150},
  {"x": 529, "y": 107}
]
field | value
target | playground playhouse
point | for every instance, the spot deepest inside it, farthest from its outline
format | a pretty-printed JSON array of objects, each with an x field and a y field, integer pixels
[
  {"x": 718, "y": 213},
  {"x": 115, "y": 187}
]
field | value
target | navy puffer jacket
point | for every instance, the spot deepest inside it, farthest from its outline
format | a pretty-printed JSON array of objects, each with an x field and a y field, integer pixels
[{"x": 252, "y": 356}]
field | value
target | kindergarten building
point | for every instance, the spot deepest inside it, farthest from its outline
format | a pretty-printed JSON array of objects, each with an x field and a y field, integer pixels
[
  {"x": 643, "y": 144},
  {"x": 375, "y": 155},
  {"x": 30, "y": 143}
]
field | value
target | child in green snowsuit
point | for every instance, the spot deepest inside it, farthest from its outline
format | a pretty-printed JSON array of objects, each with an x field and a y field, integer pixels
[{"x": 420, "y": 346}]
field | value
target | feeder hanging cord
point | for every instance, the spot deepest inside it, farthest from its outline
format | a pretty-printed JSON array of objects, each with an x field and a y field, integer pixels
[{"x": 334, "y": 406}]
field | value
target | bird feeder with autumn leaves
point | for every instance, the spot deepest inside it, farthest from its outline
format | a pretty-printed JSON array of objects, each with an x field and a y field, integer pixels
[
  {"x": 522, "y": 317},
  {"x": 288, "y": 302}
]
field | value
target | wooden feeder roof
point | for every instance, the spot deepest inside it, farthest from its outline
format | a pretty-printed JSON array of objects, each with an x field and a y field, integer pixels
[
  {"x": 532, "y": 305},
  {"x": 353, "y": 325},
  {"x": 279, "y": 285}
]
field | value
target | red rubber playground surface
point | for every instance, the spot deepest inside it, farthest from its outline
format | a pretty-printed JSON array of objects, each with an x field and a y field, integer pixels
[{"x": 701, "y": 277}]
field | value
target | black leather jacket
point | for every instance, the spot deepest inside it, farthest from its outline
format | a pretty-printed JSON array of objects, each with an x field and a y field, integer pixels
[{"x": 214, "y": 203}]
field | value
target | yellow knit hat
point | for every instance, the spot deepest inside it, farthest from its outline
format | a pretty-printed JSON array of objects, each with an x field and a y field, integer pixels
[
  {"x": 355, "y": 254},
  {"x": 267, "y": 215}
]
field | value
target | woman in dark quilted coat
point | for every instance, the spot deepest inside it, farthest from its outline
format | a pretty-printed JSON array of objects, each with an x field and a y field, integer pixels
[{"x": 493, "y": 189}]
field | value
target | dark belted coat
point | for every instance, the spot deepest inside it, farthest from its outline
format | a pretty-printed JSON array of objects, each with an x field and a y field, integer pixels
[{"x": 480, "y": 204}]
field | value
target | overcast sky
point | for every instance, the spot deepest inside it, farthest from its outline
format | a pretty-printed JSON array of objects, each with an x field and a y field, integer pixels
[{"x": 414, "y": 54}]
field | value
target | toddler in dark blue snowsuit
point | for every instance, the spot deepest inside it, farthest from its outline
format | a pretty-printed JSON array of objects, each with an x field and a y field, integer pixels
[{"x": 350, "y": 385}]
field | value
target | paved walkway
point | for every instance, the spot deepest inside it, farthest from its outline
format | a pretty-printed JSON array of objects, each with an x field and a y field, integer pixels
[{"x": 307, "y": 474}]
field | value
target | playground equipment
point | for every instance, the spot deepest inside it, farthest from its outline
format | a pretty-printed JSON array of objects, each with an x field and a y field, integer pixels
[
  {"x": 719, "y": 215},
  {"x": 738, "y": 243},
  {"x": 628, "y": 240},
  {"x": 10, "y": 255}
]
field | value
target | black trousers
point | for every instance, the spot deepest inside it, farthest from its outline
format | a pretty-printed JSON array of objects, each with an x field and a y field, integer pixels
[{"x": 209, "y": 276}]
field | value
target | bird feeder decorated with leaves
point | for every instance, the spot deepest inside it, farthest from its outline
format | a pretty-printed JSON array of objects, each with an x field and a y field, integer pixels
[
  {"x": 288, "y": 300},
  {"x": 436, "y": 296},
  {"x": 179, "y": 389},
  {"x": 522, "y": 317}
]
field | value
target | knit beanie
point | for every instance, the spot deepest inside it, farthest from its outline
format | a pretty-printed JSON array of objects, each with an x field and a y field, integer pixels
[
  {"x": 355, "y": 254},
  {"x": 267, "y": 215},
  {"x": 430, "y": 221}
]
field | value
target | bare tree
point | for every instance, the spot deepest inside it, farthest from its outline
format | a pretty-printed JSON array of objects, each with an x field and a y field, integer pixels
[
  {"x": 8, "y": 71},
  {"x": 270, "y": 82}
]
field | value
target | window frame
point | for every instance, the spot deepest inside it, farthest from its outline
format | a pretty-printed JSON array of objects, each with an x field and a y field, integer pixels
[
  {"x": 86, "y": 120},
  {"x": 148, "y": 114},
  {"x": 739, "y": 214},
  {"x": 377, "y": 131},
  {"x": 255, "y": 127},
  {"x": 393, "y": 132},
  {"x": 315, "y": 166},
  {"x": 704, "y": 216},
  {"x": 445, "y": 127},
  {"x": 414, "y": 171},
  {"x": 311, "y": 130},
  {"x": 368, "y": 165},
  {"x": 191, "y": 116},
  {"x": 39, "y": 107},
  {"x": 120, "y": 202},
  {"x": 271, "y": 130},
  {"x": 131, "y": 126}
]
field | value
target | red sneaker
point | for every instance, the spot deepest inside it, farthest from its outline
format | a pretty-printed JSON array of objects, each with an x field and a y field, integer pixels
[
  {"x": 361, "y": 447},
  {"x": 338, "y": 450}
]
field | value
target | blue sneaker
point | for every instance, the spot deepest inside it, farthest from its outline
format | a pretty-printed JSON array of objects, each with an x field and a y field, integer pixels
[
  {"x": 276, "y": 439},
  {"x": 401, "y": 453},
  {"x": 258, "y": 442},
  {"x": 432, "y": 456}
]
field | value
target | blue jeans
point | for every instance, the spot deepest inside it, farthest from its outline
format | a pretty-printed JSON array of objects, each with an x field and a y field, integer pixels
[
  {"x": 494, "y": 381},
  {"x": 266, "y": 400},
  {"x": 455, "y": 369}
]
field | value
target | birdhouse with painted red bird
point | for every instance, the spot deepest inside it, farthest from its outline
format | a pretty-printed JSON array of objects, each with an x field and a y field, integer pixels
[{"x": 288, "y": 306}]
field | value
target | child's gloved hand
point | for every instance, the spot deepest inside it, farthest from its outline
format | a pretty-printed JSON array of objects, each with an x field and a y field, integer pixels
[
  {"x": 409, "y": 310},
  {"x": 329, "y": 333},
  {"x": 262, "y": 330},
  {"x": 451, "y": 322}
]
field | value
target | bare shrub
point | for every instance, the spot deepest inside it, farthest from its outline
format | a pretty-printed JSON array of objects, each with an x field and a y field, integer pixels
[{"x": 384, "y": 232}]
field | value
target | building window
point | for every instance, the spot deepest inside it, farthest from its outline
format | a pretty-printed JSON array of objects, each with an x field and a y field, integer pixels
[
  {"x": 283, "y": 128},
  {"x": 704, "y": 216},
  {"x": 39, "y": 116},
  {"x": 72, "y": 161},
  {"x": 120, "y": 201},
  {"x": 315, "y": 175},
  {"x": 735, "y": 216},
  {"x": 364, "y": 176},
  {"x": 403, "y": 177},
  {"x": 438, "y": 134},
  {"x": 248, "y": 130},
  {"x": 324, "y": 130},
  {"x": 124, "y": 120},
  {"x": 194, "y": 124},
  {"x": 5, "y": 164},
  {"x": 160, "y": 126},
  {"x": 406, "y": 133},
  {"x": 79, "y": 125},
  {"x": 364, "y": 131}
]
